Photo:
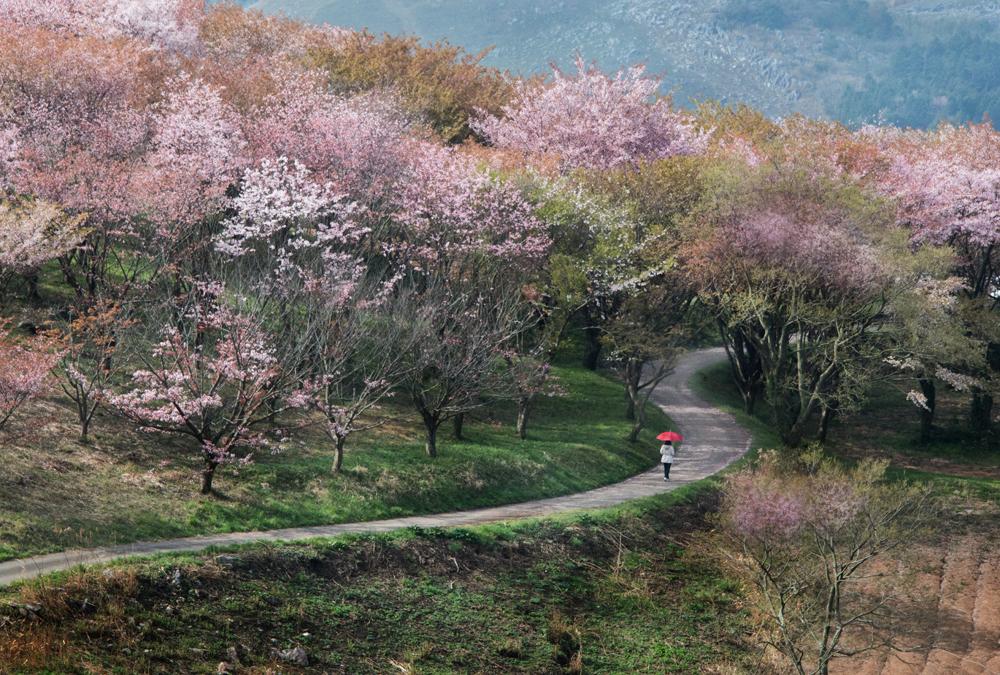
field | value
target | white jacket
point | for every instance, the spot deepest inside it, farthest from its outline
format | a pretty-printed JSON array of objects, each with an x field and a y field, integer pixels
[{"x": 667, "y": 454}]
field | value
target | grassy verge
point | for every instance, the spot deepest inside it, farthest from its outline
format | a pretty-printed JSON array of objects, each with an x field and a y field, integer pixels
[
  {"x": 954, "y": 463},
  {"x": 127, "y": 486},
  {"x": 613, "y": 591}
]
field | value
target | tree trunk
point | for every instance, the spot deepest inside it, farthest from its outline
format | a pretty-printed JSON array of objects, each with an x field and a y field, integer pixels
[
  {"x": 927, "y": 414},
  {"x": 629, "y": 404},
  {"x": 829, "y": 412},
  {"x": 338, "y": 454},
  {"x": 792, "y": 436},
  {"x": 523, "y": 408},
  {"x": 207, "y": 475},
  {"x": 33, "y": 295},
  {"x": 459, "y": 427},
  {"x": 431, "y": 445},
  {"x": 85, "y": 429},
  {"x": 745, "y": 365},
  {"x": 591, "y": 347},
  {"x": 637, "y": 427},
  {"x": 981, "y": 412},
  {"x": 633, "y": 375}
]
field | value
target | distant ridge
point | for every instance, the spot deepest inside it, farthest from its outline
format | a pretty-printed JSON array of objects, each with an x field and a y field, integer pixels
[{"x": 909, "y": 62}]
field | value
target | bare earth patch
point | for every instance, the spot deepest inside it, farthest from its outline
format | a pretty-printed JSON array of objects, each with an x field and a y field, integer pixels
[{"x": 962, "y": 633}]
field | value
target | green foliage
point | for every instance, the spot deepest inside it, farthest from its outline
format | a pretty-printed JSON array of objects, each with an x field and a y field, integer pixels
[{"x": 440, "y": 83}]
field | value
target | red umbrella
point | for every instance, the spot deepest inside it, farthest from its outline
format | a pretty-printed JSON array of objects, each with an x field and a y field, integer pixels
[{"x": 670, "y": 436}]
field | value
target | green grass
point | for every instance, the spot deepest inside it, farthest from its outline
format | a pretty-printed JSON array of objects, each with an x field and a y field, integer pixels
[
  {"x": 128, "y": 486},
  {"x": 484, "y": 599},
  {"x": 955, "y": 462}
]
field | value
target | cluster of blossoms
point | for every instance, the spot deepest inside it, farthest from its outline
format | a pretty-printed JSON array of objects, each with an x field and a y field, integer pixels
[
  {"x": 168, "y": 24},
  {"x": 33, "y": 232},
  {"x": 213, "y": 385},
  {"x": 24, "y": 372},
  {"x": 769, "y": 503},
  {"x": 594, "y": 121}
]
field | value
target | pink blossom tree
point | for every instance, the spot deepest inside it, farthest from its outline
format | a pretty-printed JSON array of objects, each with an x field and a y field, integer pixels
[
  {"x": 529, "y": 376},
  {"x": 947, "y": 185},
  {"x": 73, "y": 109},
  {"x": 298, "y": 241},
  {"x": 790, "y": 270},
  {"x": 457, "y": 337},
  {"x": 32, "y": 233},
  {"x": 454, "y": 216},
  {"x": 212, "y": 380},
  {"x": 195, "y": 155},
  {"x": 354, "y": 144},
  {"x": 593, "y": 121},
  {"x": 171, "y": 24},
  {"x": 358, "y": 362},
  {"x": 89, "y": 363},
  {"x": 25, "y": 368},
  {"x": 802, "y": 538}
]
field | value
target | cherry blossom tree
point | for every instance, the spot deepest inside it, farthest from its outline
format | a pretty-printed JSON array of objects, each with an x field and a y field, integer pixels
[
  {"x": 948, "y": 188},
  {"x": 298, "y": 241},
  {"x": 355, "y": 144},
  {"x": 453, "y": 217},
  {"x": 593, "y": 121},
  {"x": 529, "y": 376},
  {"x": 195, "y": 155},
  {"x": 235, "y": 36},
  {"x": 89, "y": 363},
  {"x": 458, "y": 337},
  {"x": 25, "y": 367},
  {"x": 212, "y": 380},
  {"x": 359, "y": 361},
  {"x": 803, "y": 540},
  {"x": 645, "y": 333},
  {"x": 73, "y": 108},
  {"x": 169, "y": 24},
  {"x": 32, "y": 233},
  {"x": 790, "y": 270}
]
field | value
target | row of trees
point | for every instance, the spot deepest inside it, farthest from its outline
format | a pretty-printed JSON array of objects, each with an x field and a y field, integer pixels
[{"x": 259, "y": 226}]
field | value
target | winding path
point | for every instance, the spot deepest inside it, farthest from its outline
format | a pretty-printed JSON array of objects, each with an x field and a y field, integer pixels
[{"x": 713, "y": 440}]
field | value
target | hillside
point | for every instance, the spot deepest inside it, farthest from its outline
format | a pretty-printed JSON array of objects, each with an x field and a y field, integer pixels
[{"x": 910, "y": 62}]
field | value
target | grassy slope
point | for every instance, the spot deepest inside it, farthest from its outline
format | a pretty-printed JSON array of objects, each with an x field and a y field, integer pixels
[
  {"x": 127, "y": 486},
  {"x": 487, "y": 599}
]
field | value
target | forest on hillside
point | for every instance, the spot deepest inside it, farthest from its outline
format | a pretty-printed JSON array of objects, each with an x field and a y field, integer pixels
[{"x": 910, "y": 63}]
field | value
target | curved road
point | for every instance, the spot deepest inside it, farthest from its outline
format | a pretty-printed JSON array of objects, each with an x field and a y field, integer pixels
[{"x": 712, "y": 441}]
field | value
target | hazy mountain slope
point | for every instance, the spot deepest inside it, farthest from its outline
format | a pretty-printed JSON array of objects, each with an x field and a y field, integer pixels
[{"x": 781, "y": 56}]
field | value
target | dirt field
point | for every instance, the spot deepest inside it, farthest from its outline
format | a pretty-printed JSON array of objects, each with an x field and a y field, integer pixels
[{"x": 962, "y": 633}]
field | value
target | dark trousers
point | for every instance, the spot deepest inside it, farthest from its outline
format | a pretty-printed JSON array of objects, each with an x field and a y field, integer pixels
[{"x": 666, "y": 470}]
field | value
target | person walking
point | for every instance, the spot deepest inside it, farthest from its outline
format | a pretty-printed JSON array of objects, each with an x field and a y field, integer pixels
[{"x": 667, "y": 454}]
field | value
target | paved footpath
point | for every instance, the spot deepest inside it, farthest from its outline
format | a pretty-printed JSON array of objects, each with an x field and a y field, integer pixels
[{"x": 712, "y": 440}]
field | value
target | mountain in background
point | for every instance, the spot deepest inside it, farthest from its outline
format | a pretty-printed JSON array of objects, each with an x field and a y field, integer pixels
[{"x": 908, "y": 62}]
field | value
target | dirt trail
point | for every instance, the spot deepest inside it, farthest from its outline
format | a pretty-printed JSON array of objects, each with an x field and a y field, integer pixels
[{"x": 713, "y": 440}]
